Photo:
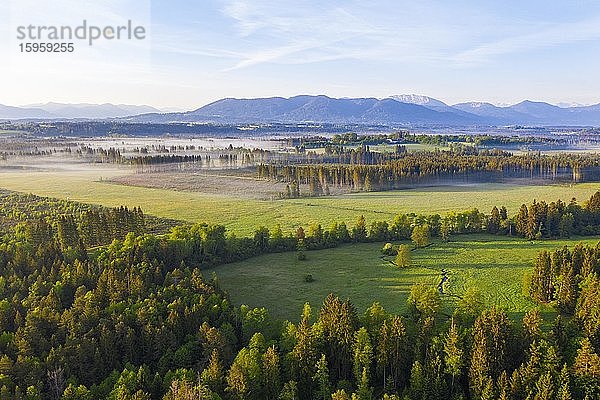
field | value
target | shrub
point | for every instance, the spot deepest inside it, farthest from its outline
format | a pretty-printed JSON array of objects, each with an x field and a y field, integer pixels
[{"x": 388, "y": 249}]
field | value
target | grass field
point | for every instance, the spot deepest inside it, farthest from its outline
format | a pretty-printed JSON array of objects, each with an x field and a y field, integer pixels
[
  {"x": 495, "y": 265},
  {"x": 244, "y": 215}
]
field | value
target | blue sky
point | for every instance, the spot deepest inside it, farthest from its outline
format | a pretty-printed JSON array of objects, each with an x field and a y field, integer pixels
[{"x": 200, "y": 51}]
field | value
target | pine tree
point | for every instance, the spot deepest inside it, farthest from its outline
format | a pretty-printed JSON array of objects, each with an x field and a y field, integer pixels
[
  {"x": 491, "y": 340},
  {"x": 289, "y": 391},
  {"x": 521, "y": 220},
  {"x": 544, "y": 387},
  {"x": 304, "y": 353},
  {"x": 365, "y": 392},
  {"x": 338, "y": 322},
  {"x": 487, "y": 392},
  {"x": 503, "y": 386},
  {"x": 565, "y": 226},
  {"x": 321, "y": 379},
  {"x": 212, "y": 375},
  {"x": 421, "y": 235},
  {"x": 532, "y": 369},
  {"x": 517, "y": 389},
  {"x": 503, "y": 213},
  {"x": 445, "y": 230},
  {"x": 493, "y": 224},
  {"x": 541, "y": 287},
  {"x": 588, "y": 305},
  {"x": 393, "y": 353},
  {"x": 294, "y": 190},
  {"x": 301, "y": 250},
  {"x": 368, "y": 185},
  {"x": 564, "y": 383},
  {"x": 359, "y": 231},
  {"x": 532, "y": 324},
  {"x": 587, "y": 369},
  {"x": 418, "y": 381},
  {"x": 453, "y": 354},
  {"x": 340, "y": 395},
  {"x": 363, "y": 353},
  {"x": 567, "y": 290},
  {"x": 271, "y": 382},
  {"x": 551, "y": 359}
]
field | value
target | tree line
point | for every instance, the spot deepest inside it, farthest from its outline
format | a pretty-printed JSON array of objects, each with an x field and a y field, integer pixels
[{"x": 419, "y": 167}]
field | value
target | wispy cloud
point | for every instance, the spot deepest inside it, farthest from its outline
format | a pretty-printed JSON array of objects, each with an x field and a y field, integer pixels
[
  {"x": 200, "y": 51},
  {"x": 347, "y": 30},
  {"x": 319, "y": 33},
  {"x": 543, "y": 37}
]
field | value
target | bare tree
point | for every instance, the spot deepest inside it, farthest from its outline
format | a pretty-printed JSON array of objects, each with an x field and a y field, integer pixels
[{"x": 56, "y": 380}]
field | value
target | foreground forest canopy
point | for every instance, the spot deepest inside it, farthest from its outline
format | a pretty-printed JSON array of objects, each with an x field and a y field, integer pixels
[{"x": 136, "y": 318}]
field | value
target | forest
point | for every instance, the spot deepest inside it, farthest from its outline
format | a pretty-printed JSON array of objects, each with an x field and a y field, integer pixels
[
  {"x": 361, "y": 173},
  {"x": 107, "y": 128},
  {"x": 136, "y": 318}
]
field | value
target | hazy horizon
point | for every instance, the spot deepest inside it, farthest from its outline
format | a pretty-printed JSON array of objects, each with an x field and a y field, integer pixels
[{"x": 563, "y": 104}]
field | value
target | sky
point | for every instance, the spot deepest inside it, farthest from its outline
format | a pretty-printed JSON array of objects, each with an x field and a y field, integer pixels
[{"x": 196, "y": 52}]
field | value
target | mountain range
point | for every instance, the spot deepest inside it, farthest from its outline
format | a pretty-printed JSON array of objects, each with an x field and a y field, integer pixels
[
  {"x": 73, "y": 111},
  {"x": 394, "y": 110}
]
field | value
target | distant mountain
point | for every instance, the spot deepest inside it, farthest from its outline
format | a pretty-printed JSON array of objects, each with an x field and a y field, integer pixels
[
  {"x": 404, "y": 109},
  {"x": 92, "y": 111},
  {"x": 540, "y": 111},
  {"x": 321, "y": 109},
  {"x": 438, "y": 105},
  {"x": 546, "y": 114},
  {"x": 534, "y": 113},
  {"x": 420, "y": 100},
  {"x": 492, "y": 113},
  {"x": 9, "y": 112},
  {"x": 569, "y": 105},
  {"x": 398, "y": 110}
]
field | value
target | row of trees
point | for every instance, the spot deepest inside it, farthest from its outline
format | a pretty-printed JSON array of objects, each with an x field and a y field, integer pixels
[
  {"x": 534, "y": 221},
  {"x": 91, "y": 226},
  {"x": 558, "y": 219},
  {"x": 423, "y": 166}
]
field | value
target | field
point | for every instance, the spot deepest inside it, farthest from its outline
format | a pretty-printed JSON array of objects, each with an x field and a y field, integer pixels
[
  {"x": 495, "y": 265},
  {"x": 243, "y": 215}
]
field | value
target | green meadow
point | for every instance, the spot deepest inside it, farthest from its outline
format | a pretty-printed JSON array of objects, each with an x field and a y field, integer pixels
[
  {"x": 245, "y": 215},
  {"x": 494, "y": 264}
]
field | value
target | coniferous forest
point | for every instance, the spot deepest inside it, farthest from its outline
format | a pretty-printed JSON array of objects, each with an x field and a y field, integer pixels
[{"x": 136, "y": 318}]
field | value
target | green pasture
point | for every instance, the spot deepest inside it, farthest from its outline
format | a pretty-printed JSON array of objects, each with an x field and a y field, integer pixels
[
  {"x": 245, "y": 215},
  {"x": 494, "y": 264}
]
